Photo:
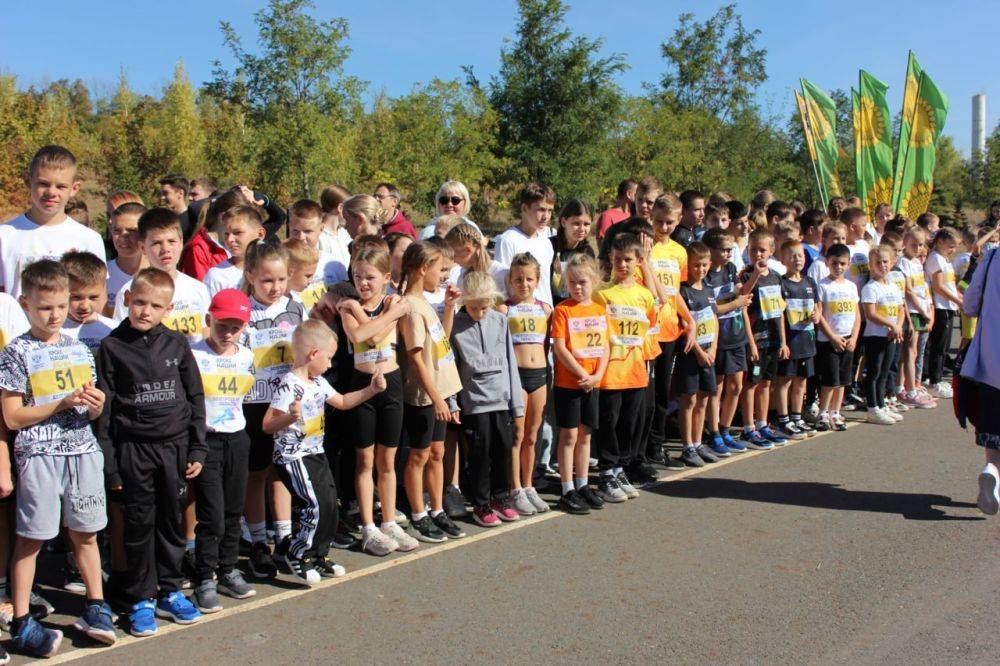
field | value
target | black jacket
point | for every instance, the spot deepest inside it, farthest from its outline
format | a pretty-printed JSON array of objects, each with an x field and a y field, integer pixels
[{"x": 153, "y": 393}]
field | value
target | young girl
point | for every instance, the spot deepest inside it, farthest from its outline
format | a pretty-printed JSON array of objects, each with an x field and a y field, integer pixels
[
  {"x": 490, "y": 399},
  {"x": 273, "y": 318},
  {"x": 430, "y": 386},
  {"x": 947, "y": 300},
  {"x": 370, "y": 326},
  {"x": 580, "y": 343},
  {"x": 575, "y": 221},
  {"x": 397, "y": 243},
  {"x": 334, "y": 239},
  {"x": 921, "y": 315},
  {"x": 205, "y": 250},
  {"x": 470, "y": 254},
  {"x": 242, "y": 226},
  {"x": 528, "y": 320},
  {"x": 884, "y": 316}
]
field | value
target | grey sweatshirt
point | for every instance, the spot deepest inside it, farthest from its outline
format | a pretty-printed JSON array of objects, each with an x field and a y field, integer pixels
[{"x": 484, "y": 352}]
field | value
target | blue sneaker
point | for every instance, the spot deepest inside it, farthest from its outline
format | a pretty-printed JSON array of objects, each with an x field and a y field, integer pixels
[
  {"x": 175, "y": 606},
  {"x": 754, "y": 440},
  {"x": 772, "y": 436},
  {"x": 35, "y": 640},
  {"x": 734, "y": 445},
  {"x": 719, "y": 447},
  {"x": 96, "y": 622},
  {"x": 142, "y": 619}
]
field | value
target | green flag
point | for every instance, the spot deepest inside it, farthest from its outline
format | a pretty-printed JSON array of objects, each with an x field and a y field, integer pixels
[
  {"x": 930, "y": 109},
  {"x": 913, "y": 72},
  {"x": 872, "y": 143},
  {"x": 822, "y": 113},
  {"x": 810, "y": 144}
]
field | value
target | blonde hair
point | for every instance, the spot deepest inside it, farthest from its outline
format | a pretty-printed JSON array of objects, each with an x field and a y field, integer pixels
[
  {"x": 757, "y": 219},
  {"x": 466, "y": 233},
  {"x": 881, "y": 251},
  {"x": 300, "y": 253},
  {"x": 257, "y": 253},
  {"x": 478, "y": 286},
  {"x": 455, "y": 187},
  {"x": 153, "y": 278},
  {"x": 446, "y": 223},
  {"x": 309, "y": 335},
  {"x": 525, "y": 260},
  {"x": 582, "y": 263},
  {"x": 368, "y": 207},
  {"x": 831, "y": 227},
  {"x": 668, "y": 201},
  {"x": 374, "y": 256},
  {"x": 416, "y": 257},
  {"x": 248, "y": 214}
]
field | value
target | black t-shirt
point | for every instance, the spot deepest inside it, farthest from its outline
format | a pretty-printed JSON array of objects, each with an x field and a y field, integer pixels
[
  {"x": 701, "y": 303},
  {"x": 766, "y": 308},
  {"x": 725, "y": 284},
  {"x": 801, "y": 300}
]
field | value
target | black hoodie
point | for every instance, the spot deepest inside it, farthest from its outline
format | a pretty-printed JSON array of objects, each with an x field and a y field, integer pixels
[{"x": 153, "y": 393}]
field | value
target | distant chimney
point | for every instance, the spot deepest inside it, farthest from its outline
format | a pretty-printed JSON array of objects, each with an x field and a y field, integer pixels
[{"x": 978, "y": 125}]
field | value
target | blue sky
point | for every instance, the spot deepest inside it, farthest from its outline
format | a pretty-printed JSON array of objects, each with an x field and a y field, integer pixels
[{"x": 398, "y": 44}]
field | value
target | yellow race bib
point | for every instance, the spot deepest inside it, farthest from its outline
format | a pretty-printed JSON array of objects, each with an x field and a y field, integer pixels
[{"x": 56, "y": 371}]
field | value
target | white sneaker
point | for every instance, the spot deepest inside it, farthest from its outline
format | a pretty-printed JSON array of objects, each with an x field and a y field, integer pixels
[
  {"x": 374, "y": 542},
  {"x": 399, "y": 535},
  {"x": 892, "y": 415},
  {"x": 897, "y": 406},
  {"x": 522, "y": 503},
  {"x": 941, "y": 390},
  {"x": 989, "y": 490},
  {"x": 879, "y": 416}
]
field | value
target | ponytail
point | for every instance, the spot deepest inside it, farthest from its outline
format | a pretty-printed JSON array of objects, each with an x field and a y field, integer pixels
[
  {"x": 259, "y": 251},
  {"x": 466, "y": 233}
]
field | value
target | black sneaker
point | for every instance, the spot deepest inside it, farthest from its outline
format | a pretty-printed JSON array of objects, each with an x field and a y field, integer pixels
[
  {"x": 642, "y": 475},
  {"x": 673, "y": 463},
  {"x": 592, "y": 499},
  {"x": 657, "y": 457},
  {"x": 327, "y": 568},
  {"x": 302, "y": 570},
  {"x": 447, "y": 525},
  {"x": 706, "y": 454},
  {"x": 689, "y": 456},
  {"x": 454, "y": 503},
  {"x": 571, "y": 502},
  {"x": 345, "y": 541},
  {"x": 261, "y": 563},
  {"x": 427, "y": 531},
  {"x": 281, "y": 548}
]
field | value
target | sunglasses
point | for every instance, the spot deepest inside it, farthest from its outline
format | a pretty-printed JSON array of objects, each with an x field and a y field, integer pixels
[{"x": 454, "y": 201}]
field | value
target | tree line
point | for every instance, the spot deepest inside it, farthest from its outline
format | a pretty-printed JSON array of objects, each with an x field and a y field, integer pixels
[{"x": 288, "y": 120}]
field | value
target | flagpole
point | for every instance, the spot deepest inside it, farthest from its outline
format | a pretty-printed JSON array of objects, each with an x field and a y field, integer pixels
[{"x": 810, "y": 140}]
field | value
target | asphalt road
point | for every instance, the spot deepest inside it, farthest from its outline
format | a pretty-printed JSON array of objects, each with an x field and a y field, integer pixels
[{"x": 856, "y": 547}]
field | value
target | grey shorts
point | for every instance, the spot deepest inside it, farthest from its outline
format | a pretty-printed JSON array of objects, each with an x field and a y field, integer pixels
[{"x": 66, "y": 487}]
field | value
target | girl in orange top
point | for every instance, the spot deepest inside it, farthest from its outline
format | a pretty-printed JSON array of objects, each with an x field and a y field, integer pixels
[{"x": 580, "y": 345}]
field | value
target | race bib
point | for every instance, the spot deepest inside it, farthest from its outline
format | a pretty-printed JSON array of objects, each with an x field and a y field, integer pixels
[
  {"x": 706, "y": 326},
  {"x": 368, "y": 353},
  {"x": 528, "y": 324},
  {"x": 587, "y": 336},
  {"x": 841, "y": 308},
  {"x": 272, "y": 350},
  {"x": 441, "y": 350},
  {"x": 668, "y": 273},
  {"x": 771, "y": 303},
  {"x": 798, "y": 311},
  {"x": 185, "y": 322},
  {"x": 629, "y": 325},
  {"x": 54, "y": 372},
  {"x": 312, "y": 294}
]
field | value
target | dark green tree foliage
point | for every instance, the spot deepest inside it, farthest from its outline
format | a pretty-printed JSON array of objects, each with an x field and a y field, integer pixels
[{"x": 557, "y": 103}]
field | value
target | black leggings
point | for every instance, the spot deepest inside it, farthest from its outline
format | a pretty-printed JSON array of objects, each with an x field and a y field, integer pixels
[
  {"x": 938, "y": 342},
  {"x": 663, "y": 366},
  {"x": 878, "y": 364}
]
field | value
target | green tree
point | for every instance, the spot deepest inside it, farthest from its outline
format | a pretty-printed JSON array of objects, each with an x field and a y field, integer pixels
[
  {"x": 714, "y": 65},
  {"x": 295, "y": 93},
  {"x": 176, "y": 129},
  {"x": 557, "y": 103}
]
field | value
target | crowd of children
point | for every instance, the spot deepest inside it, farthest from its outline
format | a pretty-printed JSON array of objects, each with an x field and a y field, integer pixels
[{"x": 157, "y": 421}]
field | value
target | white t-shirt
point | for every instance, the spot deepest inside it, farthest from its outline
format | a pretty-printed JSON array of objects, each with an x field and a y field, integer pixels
[
  {"x": 436, "y": 299},
  {"x": 429, "y": 230},
  {"x": 91, "y": 333},
  {"x": 13, "y": 321},
  {"x": 305, "y": 436},
  {"x": 269, "y": 337},
  {"x": 858, "y": 272},
  {"x": 937, "y": 263},
  {"x": 497, "y": 270},
  {"x": 191, "y": 301},
  {"x": 914, "y": 271},
  {"x": 226, "y": 380},
  {"x": 744, "y": 260},
  {"x": 23, "y": 242},
  {"x": 514, "y": 241},
  {"x": 329, "y": 271},
  {"x": 336, "y": 244},
  {"x": 888, "y": 302},
  {"x": 840, "y": 306},
  {"x": 961, "y": 264},
  {"x": 818, "y": 269},
  {"x": 223, "y": 276},
  {"x": 117, "y": 278}
]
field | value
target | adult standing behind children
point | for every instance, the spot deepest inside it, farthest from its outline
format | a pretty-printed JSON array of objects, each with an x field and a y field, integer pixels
[
  {"x": 388, "y": 197},
  {"x": 530, "y": 235},
  {"x": 452, "y": 199},
  {"x": 45, "y": 231},
  {"x": 621, "y": 211}
]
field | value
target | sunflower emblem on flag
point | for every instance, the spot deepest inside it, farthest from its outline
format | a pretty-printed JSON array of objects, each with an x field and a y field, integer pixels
[
  {"x": 821, "y": 128},
  {"x": 881, "y": 193},
  {"x": 870, "y": 124},
  {"x": 917, "y": 200},
  {"x": 924, "y": 127}
]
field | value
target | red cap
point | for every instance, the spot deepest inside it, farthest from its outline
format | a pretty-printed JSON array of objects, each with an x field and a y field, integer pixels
[{"x": 230, "y": 304}]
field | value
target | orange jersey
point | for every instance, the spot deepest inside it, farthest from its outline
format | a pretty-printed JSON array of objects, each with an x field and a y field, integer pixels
[
  {"x": 585, "y": 331},
  {"x": 668, "y": 262},
  {"x": 630, "y": 311}
]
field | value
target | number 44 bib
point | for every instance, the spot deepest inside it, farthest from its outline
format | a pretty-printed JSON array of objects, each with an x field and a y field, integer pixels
[{"x": 54, "y": 371}]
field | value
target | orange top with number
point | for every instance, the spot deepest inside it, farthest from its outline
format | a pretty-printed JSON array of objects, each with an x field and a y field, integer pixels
[
  {"x": 585, "y": 330},
  {"x": 630, "y": 311}
]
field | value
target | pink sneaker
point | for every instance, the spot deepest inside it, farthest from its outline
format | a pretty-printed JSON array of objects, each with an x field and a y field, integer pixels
[
  {"x": 504, "y": 509},
  {"x": 918, "y": 400},
  {"x": 485, "y": 516}
]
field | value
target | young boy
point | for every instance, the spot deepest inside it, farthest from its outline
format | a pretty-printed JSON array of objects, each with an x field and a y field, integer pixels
[
  {"x": 856, "y": 223},
  {"x": 531, "y": 235},
  {"x": 731, "y": 354},
  {"x": 884, "y": 316},
  {"x": 153, "y": 433},
  {"x": 630, "y": 309},
  {"x": 87, "y": 297},
  {"x": 160, "y": 239},
  {"x": 124, "y": 227},
  {"x": 811, "y": 228},
  {"x": 766, "y": 310},
  {"x": 303, "y": 261},
  {"x": 45, "y": 231},
  {"x": 694, "y": 376},
  {"x": 801, "y": 314},
  {"x": 305, "y": 222},
  {"x": 49, "y": 398},
  {"x": 227, "y": 374},
  {"x": 296, "y": 419},
  {"x": 833, "y": 233},
  {"x": 893, "y": 242},
  {"x": 839, "y": 326}
]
